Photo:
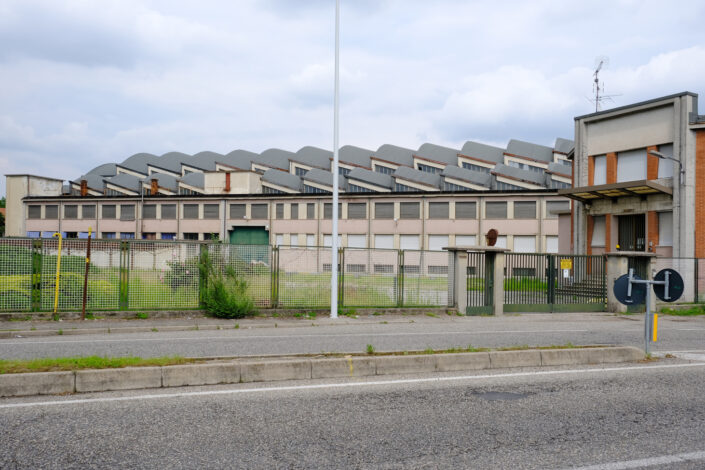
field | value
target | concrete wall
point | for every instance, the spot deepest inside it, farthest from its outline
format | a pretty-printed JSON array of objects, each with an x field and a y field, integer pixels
[{"x": 18, "y": 187}]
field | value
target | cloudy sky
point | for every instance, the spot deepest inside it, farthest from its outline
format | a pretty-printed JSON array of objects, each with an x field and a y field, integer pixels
[{"x": 87, "y": 82}]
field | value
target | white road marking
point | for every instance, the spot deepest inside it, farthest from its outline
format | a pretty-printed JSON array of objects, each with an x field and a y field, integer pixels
[
  {"x": 342, "y": 385},
  {"x": 648, "y": 462},
  {"x": 198, "y": 338}
]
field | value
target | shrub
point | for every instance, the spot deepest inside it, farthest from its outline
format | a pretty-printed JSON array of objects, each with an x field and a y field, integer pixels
[
  {"x": 225, "y": 294},
  {"x": 182, "y": 273}
]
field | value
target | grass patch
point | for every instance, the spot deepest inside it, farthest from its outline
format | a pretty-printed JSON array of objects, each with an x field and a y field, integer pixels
[
  {"x": 142, "y": 315},
  {"x": 370, "y": 349},
  {"x": 88, "y": 362},
  {"x": 432, "y": 315},
  {"x": 685, "y": 312}
]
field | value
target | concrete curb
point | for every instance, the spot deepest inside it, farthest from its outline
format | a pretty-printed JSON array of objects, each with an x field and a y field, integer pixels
[{"x": 267, "y": 370}]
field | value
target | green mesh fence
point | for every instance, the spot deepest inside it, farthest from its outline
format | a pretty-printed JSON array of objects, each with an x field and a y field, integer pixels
[
  {"x": 304, "y": 277},
  {"x": 15, "y": 275},
  {"x": 163, "y": 275},
  {"x": 370, "y": 278},
  {"x": 425, "y": 278},
  {"x": 253, "y": 263}
]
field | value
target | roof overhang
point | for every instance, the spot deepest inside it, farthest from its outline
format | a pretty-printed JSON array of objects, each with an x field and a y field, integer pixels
[{"x": 615, "y": 190}]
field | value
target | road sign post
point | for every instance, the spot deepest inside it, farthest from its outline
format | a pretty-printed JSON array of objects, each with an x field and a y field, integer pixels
[{"x": 630, "y": 289}]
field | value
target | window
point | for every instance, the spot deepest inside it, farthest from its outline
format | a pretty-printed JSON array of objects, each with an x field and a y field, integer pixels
[
  {"x": 428, "y": 168},
  {"x": 524, "y": 244},
  {"x": 525, "y": 209},
  {"x": 384, "y": 241},
  {"x": 51, "y": 212},
  {"x": 409, "y": 242},
  {"x": 600, "y": 170},
  {"x": 109, "y": 235},
  {"x": 211, "y": 211},
  {"x": 551, "y": 244},
  {"x": 34, "y": 212},
  {"x": 357, "y": 210},
  {"x": 631, "y": 165},
  {"x": 454, "y": 187},
  {"x": 310, "y": 211},
  {"x": 357, "y": 241},
  {"x": 259, "y": 211},
  {"x": 88, "y": 211},
  {"x": 149, "y": 236},
  {"x": 384, "y": 210},
  {"x": 384, "y": 268},
  {"x": 168, "y": 211},
  {"x": 149, "y": 211},
  {"x": 168, "y": 236},
  {"x": 190, "y": 211},
  {"x": 310, "y": 239},
  {"x": 269, "y": 190},
  {"x": 190, "y": 236},
  {"x": 465, "y": 210},
  {"x": 328, "y": 210},
  {"x": 465, "y": 240},
  {"x": 403, "y": 188},
  {"x": 665, "y": 228},
  {"x": 71, "y": 211},
  {"x": 237, "y": 211},
  {"x": 279, "y": 239},
  {"x": 353, "y": 188},
  {"x": 328, "y": 240},
  {"x": 127, "y": 235},
  {"x": 279, "y": 211},
  {"x": 298, "y": 171},
  {"x": 553, "y": 206},
  {"x": 665, "y": 167},
  {"x": 437, "y": 242},
  {"x": 598, "y": 231},
  {"x": 294, "y": 239},
  {"x": 32, "y": 234},
  {"x": 502, "y": 186},
  {"x": 294, "y": 211},
  {"x": 127, "y": 212},
  {"x": 479, "y": 168},
  {"x": 496, "y": 210},
  {"x": 342, "y": 171},
  {"x": 501, "y": 241},
  {"x": 409, "y": 210},
  {"x": 384, "y": 170},
  {"x": 70, "y": 234},
  {"x": 437, "y": 210},
  {"x": 314, "y": 190}
]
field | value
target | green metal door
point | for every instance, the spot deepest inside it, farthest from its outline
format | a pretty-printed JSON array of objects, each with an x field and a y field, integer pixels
[{"x": 249, "y": 236}]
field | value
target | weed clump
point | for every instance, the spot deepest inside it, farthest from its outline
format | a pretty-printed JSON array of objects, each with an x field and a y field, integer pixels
[{"x": 225, "y": 293}]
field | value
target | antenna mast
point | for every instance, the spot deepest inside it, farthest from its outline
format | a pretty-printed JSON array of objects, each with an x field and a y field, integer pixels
[{"x": 597, "y": 88}]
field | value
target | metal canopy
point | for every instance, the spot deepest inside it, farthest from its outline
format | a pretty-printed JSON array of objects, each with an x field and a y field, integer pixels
[{"x": 615, "y": 190}]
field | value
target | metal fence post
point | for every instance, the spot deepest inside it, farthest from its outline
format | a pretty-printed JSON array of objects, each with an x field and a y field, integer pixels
[
  {"x": 203, "y": 265},
  {"x": 36, "y": 275},
  {"x": 697, "y": 281},
  {"x": 551, "y": 291},
  {"x": 400, "y": 278},
  {"x": 275, "y": 277},
  {"x": 124, "y": 274},
  {"x": 341, "y": 276}
]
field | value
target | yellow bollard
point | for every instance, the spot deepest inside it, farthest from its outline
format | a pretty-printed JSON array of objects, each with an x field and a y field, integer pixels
[
  {"x": 655, "y": 329},
  {"x": 58, "y": 270}
]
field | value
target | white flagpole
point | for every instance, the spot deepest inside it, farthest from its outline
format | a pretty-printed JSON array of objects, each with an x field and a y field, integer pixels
[{"x": 334, "y": 241}]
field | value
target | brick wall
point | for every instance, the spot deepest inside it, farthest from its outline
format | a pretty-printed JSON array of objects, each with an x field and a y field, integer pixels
[
  {"x": 611, "y": 168},
  {"x": 590, "y": 225},
  {"x": 652, "y": 162},
  {"x": 699, "y": 193},
  {"x": 652, "y": 224}
]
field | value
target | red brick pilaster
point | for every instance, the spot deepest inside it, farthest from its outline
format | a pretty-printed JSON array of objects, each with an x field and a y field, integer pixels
[
  {"x": 652, "y": 163},
  {"x": 699, "y": 194},
  {"x": 652, "y": 222},
  {"x": 590, "y": 225},
  {"x": 591, "y": 170},
  {"x": 608, "y": 234},
  {"x": 611, "y": 168}
]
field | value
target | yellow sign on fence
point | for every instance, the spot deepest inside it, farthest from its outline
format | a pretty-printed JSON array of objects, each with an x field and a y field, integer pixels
[{"x": 566, "y": 263}]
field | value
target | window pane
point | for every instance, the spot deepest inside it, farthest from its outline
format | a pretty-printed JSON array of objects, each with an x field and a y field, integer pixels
[
  {"x": 357, "y": 241},
  {"x": 328, "y": 210},
  {"x": 384, "y": 210},
  {"x": 70, "y": 211},
  {"x": 168, "y": 211},
  {"x": 409, "y": 242},
  {"x": 598, "y": 231},
  {"x": 496, "y": 210},
  {"x": 279, "y": 210},
  {"x": 665, "y": 228},
  {"x": 665, "y": 167},
  {"x": 149, "y": 211},
  {"x": 211, "y": 211},
  {"x": 310, "y": 211},
  {"x": 465, "y": 210},
  {"x": 465, "y": 240},
  {"x": 34, "y": 212},
  {"x": 259, "y": 211},
  {"x": 438, "y": 210},
  {"x": 384, "y": 241},
  {"x": 237, "y": 211},
  {"x": 127, "y": 212},
  {"x": 357, "y": 210},
  {"x": 409, "y": 210},
  {"x": 552, "y": 206},
  {"x": 88, "y": 211},
  {"x": 600, "y": 176},
  {"x": 294, "y": 239},
  {"x": 294, "y": 212},
  {"x": 525, "y": 209},
  {"x": 631, "y": 165},
  {"x": 551, "y": 244},
  {"x": 108, "y": 211},
  {"x": 437, "y": 242},
  {"x": 524, "y": 243},
  {"x": 310, "y": 240},
  {"x": 190, "y": 211}
]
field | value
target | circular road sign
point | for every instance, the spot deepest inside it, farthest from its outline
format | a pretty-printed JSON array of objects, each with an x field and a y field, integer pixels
[
  {"x": 675, "y": 285},
  {"x": 621, "y": 285}
]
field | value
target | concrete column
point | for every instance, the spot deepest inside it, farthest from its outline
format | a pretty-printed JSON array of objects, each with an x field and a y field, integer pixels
[
  {"x": 616, "y": 266},
  {"x": 498, "y": 301},
  {"x": 460, "y": 281}
]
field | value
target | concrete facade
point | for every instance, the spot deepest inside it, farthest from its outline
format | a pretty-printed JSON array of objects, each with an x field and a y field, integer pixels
[{"x": 620, "y": 185}]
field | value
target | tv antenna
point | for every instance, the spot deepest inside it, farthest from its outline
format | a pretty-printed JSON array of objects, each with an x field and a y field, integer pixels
[{"x": 600, "y": 63}]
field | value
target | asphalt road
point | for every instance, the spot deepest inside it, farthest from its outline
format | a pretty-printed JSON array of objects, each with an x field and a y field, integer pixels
[
  {"x": 629, "y": 416},
  {"x": 383, "y": 333}
]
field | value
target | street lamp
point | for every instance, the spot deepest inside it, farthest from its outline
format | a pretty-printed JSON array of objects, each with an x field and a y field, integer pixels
[{"x": 665, "y": 157}]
